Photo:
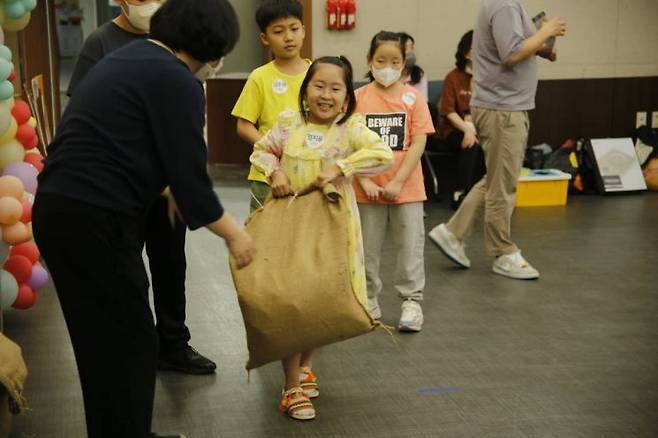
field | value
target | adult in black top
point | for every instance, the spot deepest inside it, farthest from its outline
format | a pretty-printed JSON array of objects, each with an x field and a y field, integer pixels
[
  {"x": 165, "y": 244},
  {"x": 133, "y": 127}
]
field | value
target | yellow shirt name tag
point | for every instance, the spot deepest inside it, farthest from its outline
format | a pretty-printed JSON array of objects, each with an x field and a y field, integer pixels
[{"x": 279, "y": 86}]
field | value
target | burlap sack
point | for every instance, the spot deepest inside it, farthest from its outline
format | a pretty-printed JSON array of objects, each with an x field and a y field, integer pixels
[
  {"x": 13, "y": 372},
  {"x": 297, "y": 294}
]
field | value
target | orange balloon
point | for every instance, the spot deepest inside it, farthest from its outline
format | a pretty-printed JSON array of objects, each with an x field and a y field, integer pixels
[
  {"x": 11, "y": 210},
  {"x": 15, "y": 234},
  {"x": 11, "y": 186}
]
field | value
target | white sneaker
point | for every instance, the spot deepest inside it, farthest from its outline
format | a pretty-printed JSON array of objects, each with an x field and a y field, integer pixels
[
  {"x": 449, "y": 245},
  {"x": 515, "y": 266},
  {"x": 373, "y": 309},
  {"x": 411, "y": 319}
]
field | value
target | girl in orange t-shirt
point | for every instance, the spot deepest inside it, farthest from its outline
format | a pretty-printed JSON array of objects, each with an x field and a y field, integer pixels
[{"x": 394, "y": 200}]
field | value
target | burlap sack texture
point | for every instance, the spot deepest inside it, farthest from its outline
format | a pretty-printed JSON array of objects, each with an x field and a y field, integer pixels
[
  {"x": 297, "y": 295},
  {"x": 13, "y": 372}
]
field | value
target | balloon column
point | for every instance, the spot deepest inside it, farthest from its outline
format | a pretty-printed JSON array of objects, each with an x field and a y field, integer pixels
[{"x": 21, "y": 274}]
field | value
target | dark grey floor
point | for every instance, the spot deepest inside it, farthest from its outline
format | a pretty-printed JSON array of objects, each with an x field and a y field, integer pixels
[{"x": 574, "y": 354}]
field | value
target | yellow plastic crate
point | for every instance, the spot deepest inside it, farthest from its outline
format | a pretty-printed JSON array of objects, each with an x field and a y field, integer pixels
[{"x": 541, "y": 189}]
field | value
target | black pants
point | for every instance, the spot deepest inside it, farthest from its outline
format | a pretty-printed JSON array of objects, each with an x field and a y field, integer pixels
[
  {"x": 165, "y": 247},
  {"x": 470, "y": 162},
  {"x": 95, "y": 259}
]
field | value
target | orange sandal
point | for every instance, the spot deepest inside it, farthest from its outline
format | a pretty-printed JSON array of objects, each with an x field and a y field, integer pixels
[
  {"x": 309, "y": 383},
  {"x": 297, "y": 405}
]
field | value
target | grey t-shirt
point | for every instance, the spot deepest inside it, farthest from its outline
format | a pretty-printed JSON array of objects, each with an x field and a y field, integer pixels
[
  {"x": 500, "y": 29},
  {"x": 105, "y": 39}
]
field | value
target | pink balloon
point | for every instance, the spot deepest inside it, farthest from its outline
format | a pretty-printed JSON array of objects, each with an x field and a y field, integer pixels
[
  {"x": 26, "y": 172},
  {"x": 39, "y": 277}
]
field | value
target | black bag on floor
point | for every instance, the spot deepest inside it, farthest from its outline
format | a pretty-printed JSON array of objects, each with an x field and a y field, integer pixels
[
  {"x": 574, "y": 158},
  {"x": 534, "y": 159}
]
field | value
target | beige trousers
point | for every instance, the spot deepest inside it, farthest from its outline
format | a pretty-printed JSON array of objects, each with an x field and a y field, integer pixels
[
  {"x": 504, "y": 136},
  {"x": 406, "y": 228}
]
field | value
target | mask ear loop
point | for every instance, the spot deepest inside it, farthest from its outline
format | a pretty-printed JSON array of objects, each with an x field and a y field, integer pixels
[{"x": 125, "y": 10}]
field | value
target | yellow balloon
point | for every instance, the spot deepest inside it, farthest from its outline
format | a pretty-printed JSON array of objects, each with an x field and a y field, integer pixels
[
  {"x": 32, "y": 122},
  {"x": 11, "y": 152},
  {"x": 2, "y": 16},
  {"x": 16, "y": 25},
  {"x": 10, "y": 133},
  {"x": 5, "y": 117}
]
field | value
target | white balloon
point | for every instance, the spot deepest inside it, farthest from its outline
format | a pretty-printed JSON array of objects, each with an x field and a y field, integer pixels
[{"x": 9, "y": 288}]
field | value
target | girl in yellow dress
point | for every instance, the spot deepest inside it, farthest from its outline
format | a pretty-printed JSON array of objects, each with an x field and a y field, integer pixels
[{"x": 323, "y": 143}]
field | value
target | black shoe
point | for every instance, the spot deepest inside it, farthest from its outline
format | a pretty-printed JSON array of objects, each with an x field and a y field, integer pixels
[
  {"x": 157, "y": 435},
  {"x": 186, "y": 360}
]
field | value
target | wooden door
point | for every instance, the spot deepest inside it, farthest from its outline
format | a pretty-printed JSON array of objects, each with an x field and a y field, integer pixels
[{"x": 36, "y": 53}]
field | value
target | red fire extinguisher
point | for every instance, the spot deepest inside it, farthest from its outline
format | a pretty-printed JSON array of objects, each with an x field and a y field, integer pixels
[
  {"x": 342, "y": 14},
  {"x": 332, "y": 14},
  {"x": 351, "y": 14}
]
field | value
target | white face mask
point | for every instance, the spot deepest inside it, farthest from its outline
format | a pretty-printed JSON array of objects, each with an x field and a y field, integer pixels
[
  {"x": 386, "y": 76},
  {"x": 140, "y": 15},
  {"x": 207, "y": 71}
]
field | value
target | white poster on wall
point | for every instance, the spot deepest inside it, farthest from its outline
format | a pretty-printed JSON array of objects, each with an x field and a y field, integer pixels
[{"x": 617, "y": 164}]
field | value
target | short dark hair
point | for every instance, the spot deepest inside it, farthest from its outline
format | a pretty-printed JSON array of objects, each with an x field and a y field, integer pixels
[
  {"x": 416, "y": 73},
  {"x": 463, "y": 47},
  {"x": 404, "y": 36},
  {"x": 272, "y": 10},
  {"x": 205, "y": 29},
  {"x": 346, "y": 66},
  {"x": 383, "y": 36}
]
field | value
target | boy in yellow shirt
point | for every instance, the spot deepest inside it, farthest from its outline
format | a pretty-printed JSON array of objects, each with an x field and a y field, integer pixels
[{"x": 273, "y": 87}]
